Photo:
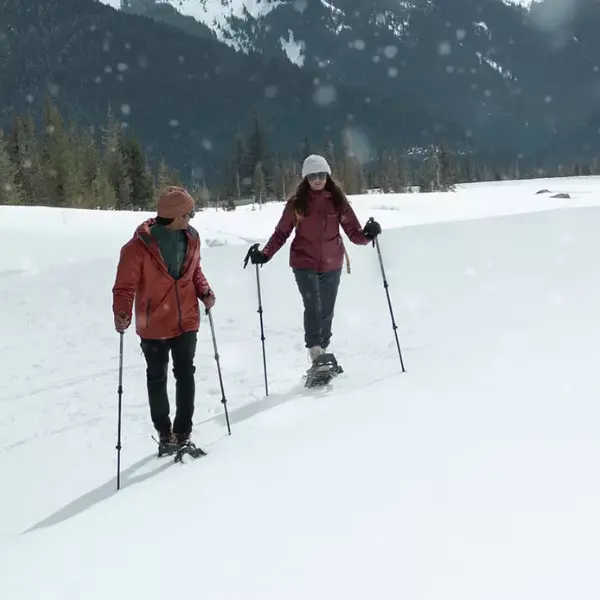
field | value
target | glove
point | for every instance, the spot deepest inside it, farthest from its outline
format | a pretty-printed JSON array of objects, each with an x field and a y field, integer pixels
[
  {"x": 208, "y": 299},
  {"x": 372, "y": 229},
  {"x": 257, "y": 257},
  {"x": 122, "y": 321}
]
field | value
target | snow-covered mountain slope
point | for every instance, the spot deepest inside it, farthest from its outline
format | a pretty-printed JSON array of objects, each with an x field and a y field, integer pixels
[
  {"x": 517, "y": 82},
  {"x": 468, "y": 476},
  {"x": 211, "y": 11},
  {"x": 221, "y": 15},
  {"x": 482, "y": 64},
  {"x": 215, "y": 13}
]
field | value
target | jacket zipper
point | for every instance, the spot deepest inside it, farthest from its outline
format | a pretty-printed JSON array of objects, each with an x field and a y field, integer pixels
[
  {"x": 324, "y": 219},
  {"x": 178, "y": 306},
  {"x": 180, "y": 316}
]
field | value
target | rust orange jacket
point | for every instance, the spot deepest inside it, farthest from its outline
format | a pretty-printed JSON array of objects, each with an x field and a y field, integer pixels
[{"x": 164, "y": 307}]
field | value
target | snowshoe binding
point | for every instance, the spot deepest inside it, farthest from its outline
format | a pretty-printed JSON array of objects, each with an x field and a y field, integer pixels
[
  {"x": 186, "y": 446},
  {"x": 167, "y": 445},
  {"x": 324, "y": 368}
]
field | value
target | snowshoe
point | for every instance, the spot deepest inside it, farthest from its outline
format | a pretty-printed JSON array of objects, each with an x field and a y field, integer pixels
[
  {"x": 324, "y": 368},
  {"x": 186, "y": 446},
  {"x": 166, "y": 449},
  {"x": 167, "y": 445}
]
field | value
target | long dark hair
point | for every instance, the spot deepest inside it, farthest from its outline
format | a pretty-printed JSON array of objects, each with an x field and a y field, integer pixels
[{"x": 300, "y": 198}]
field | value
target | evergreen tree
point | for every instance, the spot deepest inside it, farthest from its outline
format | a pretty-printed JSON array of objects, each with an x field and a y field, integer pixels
[
  {"x": 285, "y": 179},
  {"x": 241, "y": 172},
  {"x": 142, "y": 188},
  {"x": 230, "y": 186},
  {"x": 330, "y": 156},
  {"x": 388, "y": 166},
  {"x": 23, "y": 149},
  {"x": 77, "y": 183},
  {"x": 89, "y": 156},
  {"x": 163, "y": 177},
  {"x": 305, "y": 149},
  {"x": 352, "y": 174},
  {"x": 259, "y": 186},
  {"x": 115, "y": 162},
  {"x": 202, "y": 195},
  {"x": 10, "y": 192},
  {"x": 56, "y": 156},
  {"x": 428, "y": 174},
  {"x": 258, "y": 151},
  {"x": 445, "y": 174},
  {"x": 102, "y": 191}
]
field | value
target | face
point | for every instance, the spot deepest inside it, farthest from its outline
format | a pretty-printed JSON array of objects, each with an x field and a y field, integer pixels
[
  {"x": 317, "y": 181},
  {"x": 182, "y": 222}
]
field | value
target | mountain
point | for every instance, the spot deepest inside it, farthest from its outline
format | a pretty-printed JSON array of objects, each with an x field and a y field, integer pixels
[
  {"x": 187, "y": 96},
  {"x": 479, "y": 76},
  {"x": 514, "y": 79},
  {"x": 164, "y": 12}
]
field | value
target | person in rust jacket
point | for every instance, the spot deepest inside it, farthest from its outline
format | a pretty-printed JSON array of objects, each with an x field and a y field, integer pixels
[
  {"x": 316, "y": 211},
  {"x": 159, "y": 274}
]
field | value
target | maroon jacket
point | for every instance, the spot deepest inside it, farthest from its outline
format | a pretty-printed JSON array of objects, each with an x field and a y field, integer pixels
[{"x": 317, "y": 244}]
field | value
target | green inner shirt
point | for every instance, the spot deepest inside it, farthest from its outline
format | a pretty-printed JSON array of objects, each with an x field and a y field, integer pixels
[{"x": 173, "y": 247}]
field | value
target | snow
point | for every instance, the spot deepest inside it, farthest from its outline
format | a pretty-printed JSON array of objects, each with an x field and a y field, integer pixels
[
  {"x": 469, "y": 476},
  {"x": 293, "y": 49},
  {"x": 215, "y": 10},
  {"x": 214, "y": 13}
]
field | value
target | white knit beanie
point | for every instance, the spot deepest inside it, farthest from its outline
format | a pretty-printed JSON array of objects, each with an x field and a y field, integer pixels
[{"x": 315, "y": 164}]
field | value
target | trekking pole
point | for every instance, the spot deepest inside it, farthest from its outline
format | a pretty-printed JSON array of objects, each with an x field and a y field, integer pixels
[
  {"x": 120, "y": 393},
  {"x": 223, "y": 399},
  {"x": 386, "y": 286},
  {"x": 253, "y": 248}
]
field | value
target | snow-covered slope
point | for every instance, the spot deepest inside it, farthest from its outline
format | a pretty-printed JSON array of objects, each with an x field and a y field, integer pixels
[
  {"x": 215, "y": 10},
  {"x": 216, "y": 13},
  {"x": 469, "y": 476}
]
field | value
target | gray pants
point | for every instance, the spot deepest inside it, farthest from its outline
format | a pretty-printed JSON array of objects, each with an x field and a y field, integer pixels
[{"x": 319, "y": 292}]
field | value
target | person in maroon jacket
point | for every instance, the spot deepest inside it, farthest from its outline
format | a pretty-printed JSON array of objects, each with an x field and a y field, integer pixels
[{"x": 316, "y": 211}]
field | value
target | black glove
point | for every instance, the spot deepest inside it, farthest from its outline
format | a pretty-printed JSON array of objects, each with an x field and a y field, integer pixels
[
  {"x": 255, "y": 256},
  {"x": 372, "y": 229}
]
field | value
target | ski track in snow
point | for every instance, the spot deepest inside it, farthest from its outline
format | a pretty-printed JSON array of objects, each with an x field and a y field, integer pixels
[{"x": 469, "y": 476}]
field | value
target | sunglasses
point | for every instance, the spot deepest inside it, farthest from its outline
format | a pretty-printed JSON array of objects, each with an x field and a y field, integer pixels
[
  {"x": 313, "y": 176},
  {"x": 190, "y": 215}
]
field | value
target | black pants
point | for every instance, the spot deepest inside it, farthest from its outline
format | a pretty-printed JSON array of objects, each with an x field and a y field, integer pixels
[
  {"x": 183, "y": 351},
  {"x": 319, "y": 292}
]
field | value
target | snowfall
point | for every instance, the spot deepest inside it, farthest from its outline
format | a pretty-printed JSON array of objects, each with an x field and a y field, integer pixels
[{"x": 470, "y": 475}]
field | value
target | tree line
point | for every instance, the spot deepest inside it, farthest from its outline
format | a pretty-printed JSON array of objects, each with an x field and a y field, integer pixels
[{"x": 61, "y": 164}]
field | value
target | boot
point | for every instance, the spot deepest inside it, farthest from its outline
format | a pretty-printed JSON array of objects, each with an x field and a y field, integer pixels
[
  {"x": 314, "y": 352},
  {"x": 183, "y": 439},
  {"x": 166, "y": 443},
  {"x": 186, "y": 446}
]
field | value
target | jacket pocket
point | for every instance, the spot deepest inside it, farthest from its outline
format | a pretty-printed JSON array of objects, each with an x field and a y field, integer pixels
[
  {"x": 148, "y": 314},
  {"x": 332, "y": 225}
]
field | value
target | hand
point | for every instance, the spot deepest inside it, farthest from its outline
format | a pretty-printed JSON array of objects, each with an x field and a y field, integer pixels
[
  {"x": 372, "y": 229},
  {"x": 257, "y": 257},
  {"x": 208, "y": 299},
  {"x": 122, "y": 321}
]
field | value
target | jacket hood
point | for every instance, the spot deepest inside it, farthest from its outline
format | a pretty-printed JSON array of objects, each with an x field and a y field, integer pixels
[{"x": 143, "y": 229}]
